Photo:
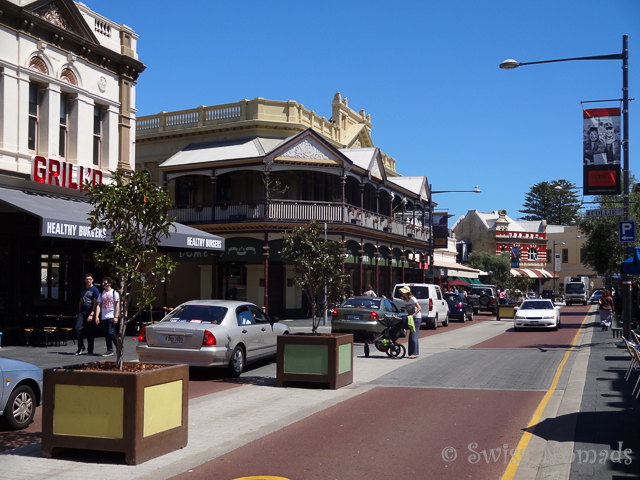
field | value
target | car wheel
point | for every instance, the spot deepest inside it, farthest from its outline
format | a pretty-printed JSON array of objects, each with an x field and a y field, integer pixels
[
  {"x": 446, "y": 321},
  {"x": 236, "y": 364},
  {"x": 434, "y": 325},
  {"x": 366, "y": 350},
  {"x": 464, "y": 317},
  {"x": 471, "y": 316},
  {"x": 20, "y": 408}
]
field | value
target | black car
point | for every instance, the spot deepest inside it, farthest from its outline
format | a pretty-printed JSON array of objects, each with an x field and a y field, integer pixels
[
  {"x": 549, "y": 295},
  {"x": 458, "y": 307}
]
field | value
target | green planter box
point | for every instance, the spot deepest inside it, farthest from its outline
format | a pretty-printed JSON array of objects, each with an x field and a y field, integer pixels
[
  {"x": 142, "y": 414},
  {"x": 325, "y": 358},
  {"x": 506, "y": 312}
]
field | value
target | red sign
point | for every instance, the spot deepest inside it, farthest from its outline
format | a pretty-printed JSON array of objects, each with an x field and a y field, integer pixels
[{"x": 63, "y": 174}]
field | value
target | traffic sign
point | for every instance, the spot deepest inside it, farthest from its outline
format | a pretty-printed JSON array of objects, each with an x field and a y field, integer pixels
[
  {"x": 627, "y": 231},
  {"x": 605, "y": 212}
]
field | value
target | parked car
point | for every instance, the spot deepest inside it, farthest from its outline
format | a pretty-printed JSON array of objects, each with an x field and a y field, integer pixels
[
  {"x": 20, "y": 392},
  {"x": 595, "y": 296},
  {"x": 484, "y": 298},
  {"x": 549, "y": 295},
  {"x": 459, "y": 308},
  {"x": 434, "y": 308},
  {"x": 211, "y": 333},
  {"x": 537, "y": 314},
  {"x": 360, "y": 315}
]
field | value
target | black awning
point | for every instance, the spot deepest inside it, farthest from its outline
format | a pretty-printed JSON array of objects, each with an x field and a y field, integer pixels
[{"x": 66, "y": 217}]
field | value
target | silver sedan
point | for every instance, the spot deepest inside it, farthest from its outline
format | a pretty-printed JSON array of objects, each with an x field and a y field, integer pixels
[
  {"x": 211, "y": 333},
  {"x": 20, "y": 392},
  {"x": 537, "y": 314}
]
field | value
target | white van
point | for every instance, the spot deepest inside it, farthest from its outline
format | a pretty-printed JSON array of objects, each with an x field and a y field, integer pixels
[{"x": 433, "y": 306}]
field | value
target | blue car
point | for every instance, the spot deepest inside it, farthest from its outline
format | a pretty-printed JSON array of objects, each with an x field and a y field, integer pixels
[
  {"x": 20, "y": 392},
  {"x": 458, "y": 307}
]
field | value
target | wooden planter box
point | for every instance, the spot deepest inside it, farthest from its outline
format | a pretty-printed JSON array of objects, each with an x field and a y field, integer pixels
[
  {"x": 506, "y": 311},
  {"x": 142, "y": 414},
  {"x": 325, "y": 358}
]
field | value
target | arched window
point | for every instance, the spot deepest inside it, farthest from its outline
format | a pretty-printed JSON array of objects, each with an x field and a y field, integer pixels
[
  {"x": 37, "y": 64},
  {"x": 68, "y": 76}
]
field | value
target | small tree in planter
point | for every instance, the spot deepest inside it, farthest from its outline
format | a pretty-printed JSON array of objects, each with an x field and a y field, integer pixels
[
  {"x": 316, "y": 263},
  {"x": 133, "y": 210}
]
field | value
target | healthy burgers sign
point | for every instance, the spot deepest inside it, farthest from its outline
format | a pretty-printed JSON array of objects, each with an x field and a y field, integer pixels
[{"x": 63, "y": 174}]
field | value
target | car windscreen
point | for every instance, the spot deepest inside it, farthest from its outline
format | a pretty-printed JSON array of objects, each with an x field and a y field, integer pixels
[
  {"x": 197, "y": 314},
  {"x": 481, "y": 291},
  {"x": 452, "y": 298},
  {"x": 575, "y": 288},
  {"x": 536, "y": 306},
  {"x": 374, "y": 304}
]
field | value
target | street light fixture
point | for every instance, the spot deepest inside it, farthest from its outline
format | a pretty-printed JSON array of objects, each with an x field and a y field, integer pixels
[
  {"x": 431, "y": 242},
  {"x": 510, "y": 64}
]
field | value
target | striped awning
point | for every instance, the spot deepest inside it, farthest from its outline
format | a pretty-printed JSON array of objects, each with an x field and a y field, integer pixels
[{"x": 532, "y": 273}]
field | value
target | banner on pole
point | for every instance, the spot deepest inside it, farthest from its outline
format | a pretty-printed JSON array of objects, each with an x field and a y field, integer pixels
[
  {"x": 601, "y": 151},
  {"x": 440, "y": 229},
  {"x": 515, "y": 258}
]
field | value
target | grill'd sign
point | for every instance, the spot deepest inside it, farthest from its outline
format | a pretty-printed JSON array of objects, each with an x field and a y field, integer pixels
[{"x": 63, "y": 174}]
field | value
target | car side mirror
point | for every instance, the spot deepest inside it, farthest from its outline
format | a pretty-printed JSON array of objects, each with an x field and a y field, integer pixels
[{"x": 273, "y": 320}]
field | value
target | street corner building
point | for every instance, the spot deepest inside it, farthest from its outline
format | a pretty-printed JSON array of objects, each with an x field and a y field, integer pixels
[
  {"x": 68, "y": 88},
  {"x": 251, "y": 170}
]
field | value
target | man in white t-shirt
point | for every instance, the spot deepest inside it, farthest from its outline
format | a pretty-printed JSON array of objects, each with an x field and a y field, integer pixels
[{"x": 109, "y": 304}]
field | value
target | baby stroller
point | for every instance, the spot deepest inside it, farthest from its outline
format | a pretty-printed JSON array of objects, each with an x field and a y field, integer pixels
[{"x": 386, "y": 341}]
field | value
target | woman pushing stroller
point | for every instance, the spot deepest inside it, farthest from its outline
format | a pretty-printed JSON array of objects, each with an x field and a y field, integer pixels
[{"x": 413, "y": 308}]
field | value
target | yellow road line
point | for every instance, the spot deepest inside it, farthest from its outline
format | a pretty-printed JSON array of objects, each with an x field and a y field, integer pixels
[{"x": 509, "y": 474}]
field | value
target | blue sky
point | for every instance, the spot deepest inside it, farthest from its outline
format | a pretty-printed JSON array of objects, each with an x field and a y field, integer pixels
[{"x": 426, "y": 71}]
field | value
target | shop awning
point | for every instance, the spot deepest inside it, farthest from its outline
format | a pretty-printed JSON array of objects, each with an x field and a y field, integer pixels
[
  {"x": 66, "y": 217},
  {"x": 532, "y": 273}
]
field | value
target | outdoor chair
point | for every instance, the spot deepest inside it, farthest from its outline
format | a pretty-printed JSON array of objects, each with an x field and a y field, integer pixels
[{"x": 631, "y": 347}]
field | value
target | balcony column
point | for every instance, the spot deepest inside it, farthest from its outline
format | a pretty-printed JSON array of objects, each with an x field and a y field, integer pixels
[
  {"x": 423, "y": 266},
  {"x": 402, "y": 259},
  {"x": 266, "y": 272},
  {"x": 377, "y": 270},
  {"x": 266, "y": 197},
  {"x": 378, "y": 202},
  {"x": 214, "y": 193},
  {"x": 361, "y": 188},
  {"x": 343, "y": 183},
  {"x": 361, "y": 258},
  {"x": 390, "y": 259}
]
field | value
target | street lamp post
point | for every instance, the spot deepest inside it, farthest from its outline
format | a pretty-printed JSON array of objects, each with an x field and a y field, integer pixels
[
  {"x": 431, "y": 243},
  {"x": 624, "y": 56}
]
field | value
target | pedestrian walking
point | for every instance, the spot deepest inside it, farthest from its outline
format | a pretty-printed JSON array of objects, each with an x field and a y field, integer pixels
[
  {"x": 86, "y": 320},
  {"x": 413, "y": 308},
  {"x": 606, "y": 309},
  {"x": 368, "y": 291},
  {"x": 109, "y": 305}
]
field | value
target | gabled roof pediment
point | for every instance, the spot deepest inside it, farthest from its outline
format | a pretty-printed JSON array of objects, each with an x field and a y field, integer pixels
[
  {"x": 369, "y": 159},
  {"x": 63, "y": 14},
  {"x": 308, "y": 148}
]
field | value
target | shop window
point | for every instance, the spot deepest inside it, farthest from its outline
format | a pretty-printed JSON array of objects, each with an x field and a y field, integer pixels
[
  {"x": 54, "y": 280},
  {"x": 97, "y": 135},
  {"x": 34, "y": 116},
  {"x": 64, "y": 122}
]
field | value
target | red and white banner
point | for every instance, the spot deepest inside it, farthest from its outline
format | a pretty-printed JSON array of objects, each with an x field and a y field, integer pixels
[{"x": 601, "y": 151}]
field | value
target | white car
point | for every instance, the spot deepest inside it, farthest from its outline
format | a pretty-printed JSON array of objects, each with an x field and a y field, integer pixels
[
  {"x": 433, "y": 306},
  {"x": 537, "y": 314},
  {"x": 211, "y": 333}
]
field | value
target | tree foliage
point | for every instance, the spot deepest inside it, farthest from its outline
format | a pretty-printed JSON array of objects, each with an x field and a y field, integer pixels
[
  {"x": 603, "y": 251},
  {"x": 132, "y": 210},
  {"x": 316, "y": 263},
  {"x": 500, "y": 265},
  {"x": 556, "y": 206}
]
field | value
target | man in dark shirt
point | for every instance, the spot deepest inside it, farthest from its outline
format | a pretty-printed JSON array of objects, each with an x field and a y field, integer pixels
[{"x": 86, "y": 319}]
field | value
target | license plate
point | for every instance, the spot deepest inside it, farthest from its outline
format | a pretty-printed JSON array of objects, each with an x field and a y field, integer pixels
[
  {"x": 353, "y": 317},
  {"x": 174, "y": 339},
  {"x": 533, "y": 322}
]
